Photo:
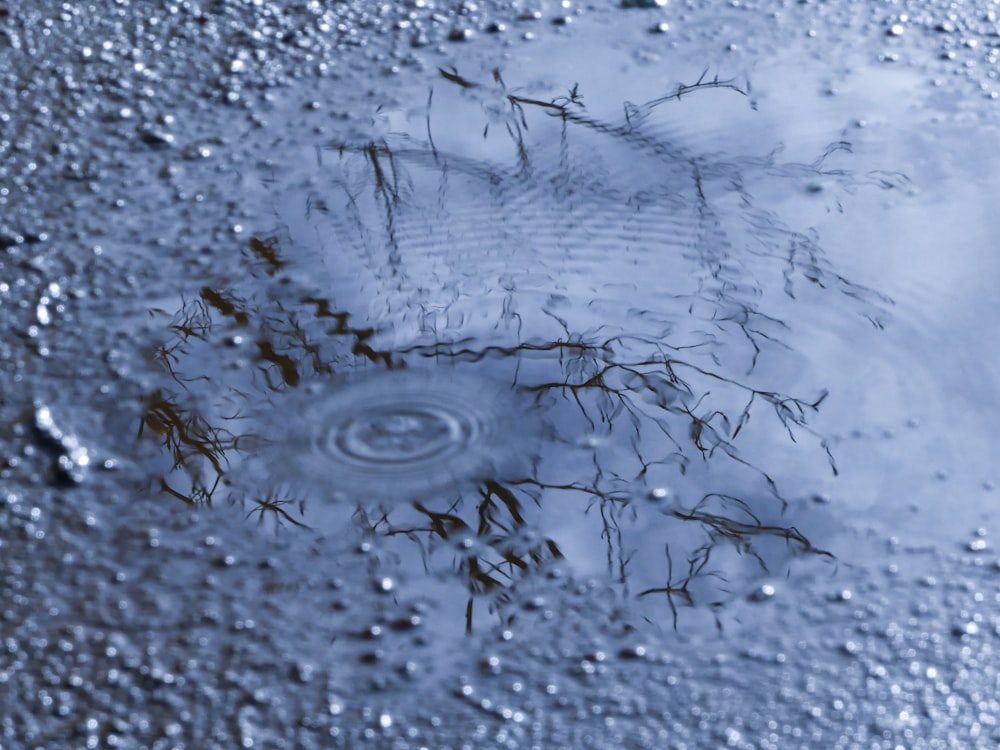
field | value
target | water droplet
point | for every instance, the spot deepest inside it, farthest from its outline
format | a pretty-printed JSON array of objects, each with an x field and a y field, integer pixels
[
  {"x": 302, "y": 672},
  {"x": 763, "y": 592},
  {"x": 633, "y": 652},
  {"x": 154, "y": 136},
  {"x": 491, "y": 664},
  {"x": 965, "y": 628}
]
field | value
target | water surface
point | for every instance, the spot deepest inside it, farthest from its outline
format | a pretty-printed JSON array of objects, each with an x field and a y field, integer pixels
[
  {"x": 716, "y": 455},
  {"x": 619, "y": 273}
]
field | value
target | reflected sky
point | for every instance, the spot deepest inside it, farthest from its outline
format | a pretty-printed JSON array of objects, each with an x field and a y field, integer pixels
[
  {"x": 503, "y": 256},
  {"x": 569, "y": 333}
]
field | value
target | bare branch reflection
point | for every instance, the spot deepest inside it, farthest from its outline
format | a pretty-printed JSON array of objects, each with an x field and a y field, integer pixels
[{"x": 625, "y": 307}]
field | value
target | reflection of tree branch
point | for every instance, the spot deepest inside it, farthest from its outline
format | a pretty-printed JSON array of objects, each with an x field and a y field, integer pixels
[
  {"x": 266, "y": 250},
  {"x": 276, "y": 507},
  {"x": 501, "y": 554},
  {"x": 673, "y": 588},
  {"x": 765, "y": 224},
  {"x": 612, "y": 535},
  {"x": 193, "y": 320},
  {"x": 185, "y": 434},
  {"x": 741, "y": 531},
  {"x": 634, "y": 384}
]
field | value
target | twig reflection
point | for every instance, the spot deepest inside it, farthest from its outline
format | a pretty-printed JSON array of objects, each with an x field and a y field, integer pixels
[{"x": 675, "y": 400}]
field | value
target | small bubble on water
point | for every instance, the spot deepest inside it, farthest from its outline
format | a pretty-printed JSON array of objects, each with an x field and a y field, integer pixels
[
  {"x": 763, "y": 592},
  {"x": 407, "y": 623},
  {"x": 492, "y": 665},
  {"x": 633, "y": 652},
  {"x": 964, "y": 629},
  {"x": 535, "y": 603},
  {"x": 302, "y": 672}
]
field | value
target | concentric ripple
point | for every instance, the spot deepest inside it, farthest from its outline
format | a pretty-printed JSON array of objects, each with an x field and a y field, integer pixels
[
  {"x": 401, "y": 434},
  {"x": 395, "y": 436}
]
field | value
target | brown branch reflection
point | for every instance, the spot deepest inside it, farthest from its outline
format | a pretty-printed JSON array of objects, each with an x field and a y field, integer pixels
[{"x": 672, "y": 388}]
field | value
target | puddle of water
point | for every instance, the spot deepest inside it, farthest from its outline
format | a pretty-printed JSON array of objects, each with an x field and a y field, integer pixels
[
  {"x": 614, "y": 270},
  {"x": 598, "y": 295},
  {"x": 558, "y": 315}
]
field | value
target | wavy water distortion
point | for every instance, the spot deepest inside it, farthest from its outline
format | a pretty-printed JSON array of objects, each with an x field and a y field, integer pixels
[
  {"x": 576, "y": 222},
  {"x": 516, "y": 343}
]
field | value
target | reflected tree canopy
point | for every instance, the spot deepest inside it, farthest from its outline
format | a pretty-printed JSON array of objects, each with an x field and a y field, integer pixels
[{"x": 624, "y": 283}]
